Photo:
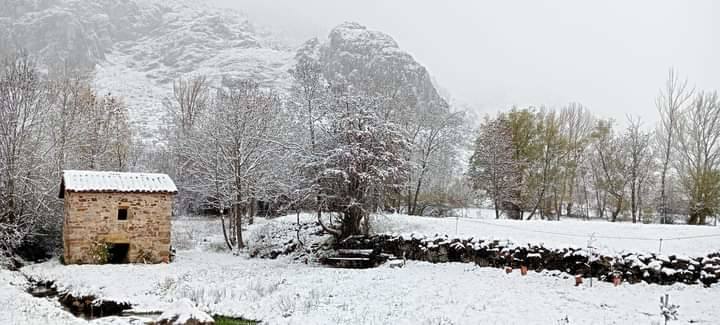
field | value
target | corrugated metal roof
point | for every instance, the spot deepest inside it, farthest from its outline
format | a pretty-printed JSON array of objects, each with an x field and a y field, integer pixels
[{"x": 96, "y": 181}]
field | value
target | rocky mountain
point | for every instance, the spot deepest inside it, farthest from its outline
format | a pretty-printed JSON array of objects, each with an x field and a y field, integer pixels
[
  {"x": 358, "y": 56},
  {"x": 137, "y": 47}
]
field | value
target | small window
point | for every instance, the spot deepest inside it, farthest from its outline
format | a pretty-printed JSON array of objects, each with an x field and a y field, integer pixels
[{"x": 122, "y": 214}]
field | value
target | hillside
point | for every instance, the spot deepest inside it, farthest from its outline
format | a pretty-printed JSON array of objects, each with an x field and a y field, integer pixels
[{"x": 138, "y": 48}]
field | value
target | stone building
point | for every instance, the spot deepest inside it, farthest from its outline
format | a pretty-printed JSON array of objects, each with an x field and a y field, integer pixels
[{"x": 116, "y": 217}]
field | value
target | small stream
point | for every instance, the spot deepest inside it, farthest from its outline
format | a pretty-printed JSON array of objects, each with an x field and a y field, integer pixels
[{"x": 89, "y": 308}]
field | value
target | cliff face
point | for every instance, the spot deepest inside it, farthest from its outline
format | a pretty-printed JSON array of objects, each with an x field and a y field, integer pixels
[
  {"x": 137, "y": 48},
  {"x": 373, "y": 60}
]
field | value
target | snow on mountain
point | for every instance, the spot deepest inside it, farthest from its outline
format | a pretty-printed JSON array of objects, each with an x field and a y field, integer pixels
[
  {"x": 190, "y": 41},
  {"x": 359, "y": 56},
  {"x": 138, "y": 48}
]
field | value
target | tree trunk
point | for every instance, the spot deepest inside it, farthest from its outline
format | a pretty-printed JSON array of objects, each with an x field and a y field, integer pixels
[
  {"x": 417, "y": 190},
  {"x": 618, "y": 208},
  {"x": 537, "y": 204},
  {"x": 351, "y": 225},
  {"x": 640, "y": 202},
  {"x": 225, "y": 234},
  {"x": 252, "y": 211},
  {"x": 497, "y": 209},
  {"x": 238, "y": 224},
  {"x": 633, "y": 203},
  {"x": 299, "y": 226}
]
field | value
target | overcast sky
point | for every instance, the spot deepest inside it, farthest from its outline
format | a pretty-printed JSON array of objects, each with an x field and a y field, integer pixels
[{"x": 612, "y": 56}]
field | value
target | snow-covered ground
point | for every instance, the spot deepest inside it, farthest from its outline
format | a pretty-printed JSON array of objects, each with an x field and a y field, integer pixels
[
  {"x": 609, "y": 238},
  {"x": 281, "y": 292},
  {"x": 286, "y": 291},
  {"x": 18, "y": 307}
]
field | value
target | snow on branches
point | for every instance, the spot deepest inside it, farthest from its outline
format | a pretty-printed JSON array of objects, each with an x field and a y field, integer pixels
[{"x": 358, "y": 158}]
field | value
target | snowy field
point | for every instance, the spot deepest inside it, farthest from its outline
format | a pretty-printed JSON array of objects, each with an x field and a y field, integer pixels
[
  {"x": 610, "y": 238},
  {"x": 286, "y": 291}
]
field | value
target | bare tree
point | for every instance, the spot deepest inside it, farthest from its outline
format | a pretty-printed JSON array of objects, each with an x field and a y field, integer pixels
[
  {"x": 611, "y": 152},
  {"x": 492, "y": 170},
  {"x": 577, "y": 123},
  {"x": 231, "y": 150},
  {"x": 638, "y": 142},
  {"x": 186, "y": 108},
  {"x": 673, "y": 99},
  {"x": 191, "y": 99},
  {"x": 308, "y": 93},
  {"x": 23, "y": 115},
  {"x": 106, "y": 134},
  {"x": 440, "y": 130},
  {"x": 71, "y": 97}
]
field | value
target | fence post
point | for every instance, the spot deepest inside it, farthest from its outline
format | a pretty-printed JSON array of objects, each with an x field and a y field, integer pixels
[{"x": 660, "y": 247}]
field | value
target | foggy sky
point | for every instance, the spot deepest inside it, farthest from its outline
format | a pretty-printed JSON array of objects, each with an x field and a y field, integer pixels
[{"x": 612, "y": 56}]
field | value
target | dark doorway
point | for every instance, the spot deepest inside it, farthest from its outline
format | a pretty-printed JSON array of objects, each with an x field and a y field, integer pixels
[{"x": 118, "y": 253}]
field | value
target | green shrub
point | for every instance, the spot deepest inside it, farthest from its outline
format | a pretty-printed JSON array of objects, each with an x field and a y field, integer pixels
[{"x": 100, "y": 252}]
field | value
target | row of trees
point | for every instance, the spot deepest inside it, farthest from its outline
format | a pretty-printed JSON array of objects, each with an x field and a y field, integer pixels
[
  {"x": 334, "y": 147},
  {"x": 546, "y": 162},
  {"x": 339, "y": 148},
  {"x": 50, "y": 122},
  {"x": 347, "y": 149}
]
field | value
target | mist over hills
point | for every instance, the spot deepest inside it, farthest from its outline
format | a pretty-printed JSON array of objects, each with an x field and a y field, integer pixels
[{"x": 137, "y": 48}]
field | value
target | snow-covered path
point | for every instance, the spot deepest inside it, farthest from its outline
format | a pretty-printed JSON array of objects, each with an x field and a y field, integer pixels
[{"x": 282, "y": 292}]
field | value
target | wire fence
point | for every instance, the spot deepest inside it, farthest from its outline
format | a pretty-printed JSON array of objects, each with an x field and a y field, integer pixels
[{"x": 660, "y": 240}]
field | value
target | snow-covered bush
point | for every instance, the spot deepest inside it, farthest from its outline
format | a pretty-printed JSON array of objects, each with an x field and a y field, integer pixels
[
  {"x": 184, "y": 311},
  {"x": 165, "y": 285},
  {"x": 261, "y": 240},
  {"x": 183, "y": 238},
  {"x": 285, "y": 305},
  {"x": 263, "y": 288}
]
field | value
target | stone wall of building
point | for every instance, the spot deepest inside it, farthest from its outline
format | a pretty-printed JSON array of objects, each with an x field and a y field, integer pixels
[{"x": 91, "y": 220}]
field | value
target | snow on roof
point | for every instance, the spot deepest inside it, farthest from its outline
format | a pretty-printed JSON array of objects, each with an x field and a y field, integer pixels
[{"x": 96, "y": 181}]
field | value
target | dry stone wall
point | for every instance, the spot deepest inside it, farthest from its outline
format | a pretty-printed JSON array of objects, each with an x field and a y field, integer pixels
[{"x": 630, "y": 267}]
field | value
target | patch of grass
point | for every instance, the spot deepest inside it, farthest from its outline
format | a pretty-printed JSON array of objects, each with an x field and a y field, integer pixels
[{"x": 224, "y": 320}]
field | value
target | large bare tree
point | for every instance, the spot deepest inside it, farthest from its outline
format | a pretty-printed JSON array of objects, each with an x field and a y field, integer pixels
[
  {"x": 673, "y": 99},
  {"x": 23, "y": 117},
  {"x": 493, "y": 171},
  {"x": 577, "y": 124},
  {"x": 231, "y": 151},
  {"x": 639, "y": 152},
  {"x": 359, "y": 156}
]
